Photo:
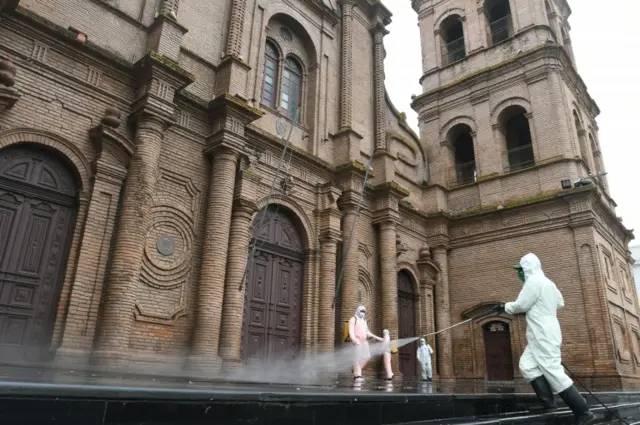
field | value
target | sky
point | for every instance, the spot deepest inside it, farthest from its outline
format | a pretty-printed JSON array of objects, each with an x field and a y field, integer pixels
[{"x": 606, "y": 53}]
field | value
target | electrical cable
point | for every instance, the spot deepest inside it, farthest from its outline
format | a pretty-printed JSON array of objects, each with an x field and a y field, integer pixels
[
  {"x": 273, "y": 184},
  {"x": 593, "y": 395},
  {"x": 353, "y": 228}
]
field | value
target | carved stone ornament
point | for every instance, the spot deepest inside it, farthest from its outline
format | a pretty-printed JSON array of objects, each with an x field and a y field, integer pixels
[
  {"x": 287, "y": 185},
  {"x": 8, "y": 94},
  {"x": 401, "y": 247},
  {"x": 105, "y": 138},
  {"x": 165, "y": 245},
  {"x": 111, "y": 117}
]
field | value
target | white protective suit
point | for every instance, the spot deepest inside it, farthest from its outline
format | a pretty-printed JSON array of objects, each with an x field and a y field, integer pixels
[
  {"x": 424, "y": 358},
  {"x": 540, "y": 299}
]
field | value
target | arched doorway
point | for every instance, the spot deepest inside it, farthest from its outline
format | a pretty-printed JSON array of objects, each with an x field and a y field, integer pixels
[
  {"x": 407, "y": 323},
  {"x": 273, "y": 299},
  {"x": 38, "y": 199},
  {"x": 497, "y": 347}
]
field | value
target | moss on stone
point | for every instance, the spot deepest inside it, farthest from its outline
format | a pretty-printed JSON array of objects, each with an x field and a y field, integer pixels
[
  {"x": 488, "y": 177},
  {"x": 483, "y": 70},
  {"x": 171, "y": 64}
]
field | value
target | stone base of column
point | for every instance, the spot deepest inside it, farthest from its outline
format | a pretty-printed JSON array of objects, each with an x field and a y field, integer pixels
[
  {"x": 232, "y": 365},
  {"x": 204, "y": 365},
  {"x": 113, "y": 358},
  {"x": 72, "y": 358}
]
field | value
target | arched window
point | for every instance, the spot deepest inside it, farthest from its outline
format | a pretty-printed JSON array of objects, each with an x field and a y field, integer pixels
[
  {"x": 270, "y": 78},
  {"x": 498, "y": 14},
  {"x": 517, "y": 132},
  {"x": 551, "y": 16},
  {"x": 291, "y": 96},
  {"x": 584, "y": 152},
  {"x": 452, "y": 33},
  {"x": 464, "y": 156}
]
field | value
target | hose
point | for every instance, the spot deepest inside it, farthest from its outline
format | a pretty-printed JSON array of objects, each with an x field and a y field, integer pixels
[{"x": 593, "y": 395}]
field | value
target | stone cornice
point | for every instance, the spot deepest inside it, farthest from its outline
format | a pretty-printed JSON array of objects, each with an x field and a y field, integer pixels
[
  {"x": 546, "y": 51},
  {"x": 233, "y": 103},
  {"x": 390, "y": 189},
  {"x": 155, "y": 65},
  {"x": 68, "y": 38},
  {"x": 327, "y": 12},
  {"x": 257, "y": 134}
]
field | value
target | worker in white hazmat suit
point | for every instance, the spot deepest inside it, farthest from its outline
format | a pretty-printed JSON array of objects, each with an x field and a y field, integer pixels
[
  {"x": 540, "y": 363},
  {"x": 358, "y": 334},
  {"x": 424, "y": 358}
]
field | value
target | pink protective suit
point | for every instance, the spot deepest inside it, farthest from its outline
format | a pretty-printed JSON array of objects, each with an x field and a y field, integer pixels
[
  {"x": 386, "y": 356},
  {"x": 358, "y": 333}
]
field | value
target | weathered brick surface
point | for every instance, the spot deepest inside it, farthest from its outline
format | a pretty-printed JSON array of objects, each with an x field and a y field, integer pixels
[{"x": 186, "y": 301}]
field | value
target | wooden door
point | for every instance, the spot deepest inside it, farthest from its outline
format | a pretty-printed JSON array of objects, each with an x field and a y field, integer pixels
[
  {"x": 407, "y": 324},
  {"x": 273, "y": 298},
  {"x": 37, "y": 210},
  {"x": 497, "y": 346}
]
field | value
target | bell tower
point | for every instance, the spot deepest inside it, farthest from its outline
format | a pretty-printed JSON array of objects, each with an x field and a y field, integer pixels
[
  {"x": 501, "y": 94},
  {"x": 512, "y": 146}
]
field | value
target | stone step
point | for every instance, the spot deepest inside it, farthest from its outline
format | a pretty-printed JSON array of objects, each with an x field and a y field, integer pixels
[{"x": 629, "y": 412}]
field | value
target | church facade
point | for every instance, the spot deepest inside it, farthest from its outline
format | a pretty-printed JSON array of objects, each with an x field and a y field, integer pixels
[{"x": 208, "y": 182}]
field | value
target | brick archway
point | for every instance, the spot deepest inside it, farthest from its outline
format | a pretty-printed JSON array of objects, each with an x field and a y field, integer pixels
[
  {"x": 39, "y": 193},
  {"x": 272, "y": 321}
]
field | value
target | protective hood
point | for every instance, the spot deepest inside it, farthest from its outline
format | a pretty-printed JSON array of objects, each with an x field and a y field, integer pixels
[
  {"x": 422, "y": 341},
  {"x": 531, "y": 265},
  {"x": 360, "y": 309}
]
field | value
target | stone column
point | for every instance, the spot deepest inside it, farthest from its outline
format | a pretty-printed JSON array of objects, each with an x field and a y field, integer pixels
[
  {"x": 389, "y": 276},
  {"x": 86, "y": 292},
  {"x": 326, "y": 313},
  {"x": 225, "y": 144},
  {"x": 234, "y": 288},
  {"x": 328, "y": 218},
  {"x": 380, "y": 99},
  {"x": 346, "y": 80},
  {"x": 214, "y": 257},
  {"x": 348, "y": 294},
  {"x": 443, "y": 312},
  {"x": 135, "y": 221}
]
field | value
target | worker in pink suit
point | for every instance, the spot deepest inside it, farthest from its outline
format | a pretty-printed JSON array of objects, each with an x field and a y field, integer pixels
[
  {"x": 386, "y": 356},
  {"x": 359, "y": 333}
]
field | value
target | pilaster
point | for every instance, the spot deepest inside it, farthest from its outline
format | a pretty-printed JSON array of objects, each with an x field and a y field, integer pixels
[
  {"x": 8, "y": 94},
  {"x": 113, "y": 154},
  {"x": 429, "y": 272},
  {"x": 152, "y": 113},
  {"x": 351, "y": 179},
  {"x": 233, "y": 69},
  {"x": 346, "y": 81},
  {"x": 379, "y": 32},
  {"x": 386, "y": 216},
  {"x": 328, "y": 217},
  {"x": 444, "y": 344},
  {"x": 165, "y": 34}
]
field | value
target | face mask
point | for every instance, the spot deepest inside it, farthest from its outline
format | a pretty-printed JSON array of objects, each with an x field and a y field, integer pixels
[
  {"x": 361, "y": 314},
  {"x": 521, "y": 275}
]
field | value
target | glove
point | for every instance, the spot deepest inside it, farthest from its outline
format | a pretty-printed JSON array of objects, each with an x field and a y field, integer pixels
[{"x": 499, "y": 308}]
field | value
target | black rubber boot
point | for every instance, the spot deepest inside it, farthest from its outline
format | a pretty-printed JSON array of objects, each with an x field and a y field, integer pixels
[
  {"x": 578, "y": 406},
  {"x": 545, "y": 395}
]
